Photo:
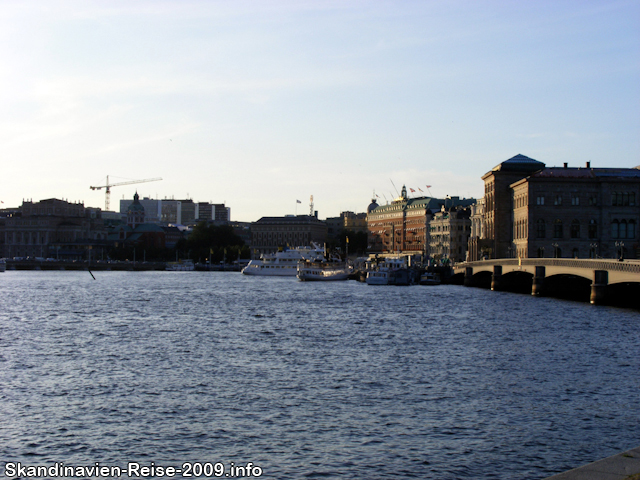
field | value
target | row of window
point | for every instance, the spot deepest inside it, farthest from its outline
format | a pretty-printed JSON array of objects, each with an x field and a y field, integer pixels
[
  {"x": 618, "y": 199},
  {"x": 619, "y": 229},
  {"x": 623, "y": 199}
]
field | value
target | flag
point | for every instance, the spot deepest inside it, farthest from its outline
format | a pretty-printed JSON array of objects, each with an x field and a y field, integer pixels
[
  {"x": 377, "y": 195},
  {"x": 420, "y": 189},
  {"x": 412, "y": 190},
  {"x": 298, "y": 201},
  {"x": 428, "y": 186}
]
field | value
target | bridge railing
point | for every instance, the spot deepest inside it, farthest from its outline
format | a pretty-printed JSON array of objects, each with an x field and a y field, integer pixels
[{"x": 630, "y": 266}]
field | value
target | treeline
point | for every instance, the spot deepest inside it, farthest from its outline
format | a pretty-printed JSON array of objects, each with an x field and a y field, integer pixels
[
  {"x": 205, "y": 243},
  {"x": 214, "y": 242}
]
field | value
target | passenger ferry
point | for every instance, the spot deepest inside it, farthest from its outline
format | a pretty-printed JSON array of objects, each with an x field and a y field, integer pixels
[{"x": 284, "y": 263}]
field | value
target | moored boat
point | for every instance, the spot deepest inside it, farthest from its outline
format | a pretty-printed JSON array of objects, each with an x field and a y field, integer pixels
[
  {"x": 285, "y": 262},
  {"x": 430, "y": 278},
  {"x": 3, "y": 265},
  {"x": 323, "y": 271}
]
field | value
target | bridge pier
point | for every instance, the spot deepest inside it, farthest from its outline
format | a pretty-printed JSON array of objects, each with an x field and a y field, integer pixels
[
  {"x": 468, "y": 277},
  {"x": 599, "y": 287},
  {"x": 496, "y": 278},
  {"x": 537, "y": 285}
]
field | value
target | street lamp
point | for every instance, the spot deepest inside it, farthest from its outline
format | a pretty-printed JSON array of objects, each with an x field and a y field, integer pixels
[
  {"x": 620, "y": 247},
  {"x": 594, "y": 250},
  {"x": 555, "y": 249}
]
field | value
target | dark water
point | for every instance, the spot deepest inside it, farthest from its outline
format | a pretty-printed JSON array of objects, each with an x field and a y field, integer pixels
[{"x": 306, "y": 380}]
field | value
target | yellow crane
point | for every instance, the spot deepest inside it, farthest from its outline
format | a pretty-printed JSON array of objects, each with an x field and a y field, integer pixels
[{"x": 107, "y": 193}]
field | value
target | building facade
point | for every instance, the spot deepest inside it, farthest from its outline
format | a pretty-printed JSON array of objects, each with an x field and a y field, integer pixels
[
  {"x": 531, "y": 210},
  {"x": 576, "y": 212},
  {"x": 449, "y": 232},
  {"x": 403, "y": 225},
  {"x": 54, "y": 228},
  {"x": 269, "y": 234},
  {"x": 497, "y": 201}
]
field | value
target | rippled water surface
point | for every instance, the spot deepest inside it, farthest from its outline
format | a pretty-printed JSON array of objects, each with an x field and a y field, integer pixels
[{"x": 308, "y": 380}]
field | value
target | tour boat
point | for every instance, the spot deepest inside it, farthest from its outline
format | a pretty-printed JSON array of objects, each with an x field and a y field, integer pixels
[
  {"x": 323, "y": 271},
  {"x": 284, "y": 263}
]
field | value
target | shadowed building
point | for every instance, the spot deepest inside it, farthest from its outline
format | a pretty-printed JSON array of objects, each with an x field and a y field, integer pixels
[{"x": 272, "y": 233}]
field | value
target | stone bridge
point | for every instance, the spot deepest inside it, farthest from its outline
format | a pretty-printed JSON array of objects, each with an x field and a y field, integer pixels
[{"x": 600, "y": 273}]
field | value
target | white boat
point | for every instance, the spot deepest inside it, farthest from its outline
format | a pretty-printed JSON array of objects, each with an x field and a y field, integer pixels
[
  {"x": 3, "y": 265},
  {"x": 284, "y": 263},
  {"x": 323, "y": 271},
  {"x": 181, "y": 266}
]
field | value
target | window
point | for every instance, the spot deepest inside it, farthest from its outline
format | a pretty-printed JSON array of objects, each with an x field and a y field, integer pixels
[
  {"x": 575, "y": 253},
  {"x": 540, "y": 229},
  {"x": 593, "y": 201},
  {"x": 575, "y": 229},
  {"x": 593, "y": 229},
  {"x": 614, "y": 229},
  {"x": 539, "y": 200},
  {"x": 623, "y": 229},
  {"x": 575, "y": 200},
  {"x": 557, "y": 229},
  {"x": 631, "y": 229}
]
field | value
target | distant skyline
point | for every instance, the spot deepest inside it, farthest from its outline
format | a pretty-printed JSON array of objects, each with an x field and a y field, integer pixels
[{"x": 259, "y": 104}]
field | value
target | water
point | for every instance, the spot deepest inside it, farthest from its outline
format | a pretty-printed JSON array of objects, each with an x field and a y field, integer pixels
[{"x": 310, "y": 380}]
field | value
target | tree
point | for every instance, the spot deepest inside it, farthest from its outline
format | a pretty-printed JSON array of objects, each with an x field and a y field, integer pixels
[{"x": 207, "y": 240}]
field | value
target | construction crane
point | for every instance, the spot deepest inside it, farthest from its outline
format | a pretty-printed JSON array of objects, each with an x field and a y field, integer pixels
[{"x": 107, "y": 186}]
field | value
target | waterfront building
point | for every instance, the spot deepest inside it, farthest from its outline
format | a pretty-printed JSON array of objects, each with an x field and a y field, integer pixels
[
  {"x": 478, "y": 245},
  {"x": 449, "y": 231},
  {"x": 269, "y": 234},
  {"x": 531, "y": 210},
  {"x": 576, "y": 212},
  {"x": 54, "y": 228},
  {"x": 497, "y": 201},
  {"x": 402, "y": 226}
]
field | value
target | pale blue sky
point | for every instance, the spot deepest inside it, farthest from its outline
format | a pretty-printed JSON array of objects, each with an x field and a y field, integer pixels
[{"x": 262, "y": 103}]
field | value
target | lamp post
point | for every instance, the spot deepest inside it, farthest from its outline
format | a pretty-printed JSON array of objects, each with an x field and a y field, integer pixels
[
  {"x": 555, "y": 250},
  {"x": 594, "y": 250},
  {"x": 620, "y": 248}
]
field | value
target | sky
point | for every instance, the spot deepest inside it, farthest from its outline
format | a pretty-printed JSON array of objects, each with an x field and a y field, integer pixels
[{"x": 261, "y": 104}]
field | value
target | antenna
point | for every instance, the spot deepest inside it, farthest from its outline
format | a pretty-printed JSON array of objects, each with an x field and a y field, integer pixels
[{"x": 311, "y": 206}]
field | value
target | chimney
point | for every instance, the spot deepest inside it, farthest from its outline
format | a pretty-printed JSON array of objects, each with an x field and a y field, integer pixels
[
  {"x": 588, "y": 164},
  {"x": 566, "y": 165}
]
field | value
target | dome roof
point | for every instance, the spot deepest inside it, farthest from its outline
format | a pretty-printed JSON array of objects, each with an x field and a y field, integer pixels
[
  {"x": 372, "y": 206},
  {"x": 136, "y": 206}
]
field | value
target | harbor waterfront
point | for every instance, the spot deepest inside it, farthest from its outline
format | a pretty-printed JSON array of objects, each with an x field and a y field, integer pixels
[{"x": 310, "y": 379}]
